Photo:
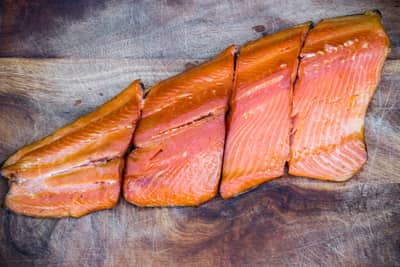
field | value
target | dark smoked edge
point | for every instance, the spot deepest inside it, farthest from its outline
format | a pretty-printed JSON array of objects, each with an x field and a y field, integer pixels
[
  {"x": 376, "y": 11},
  {"x": 131, "y": 147},
  {"x": 227, "y": 113},
  {"x": 292, "y": 118}
]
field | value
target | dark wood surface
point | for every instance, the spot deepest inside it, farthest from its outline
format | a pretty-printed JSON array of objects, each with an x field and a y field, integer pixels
[
  {"x": 105, "y": 45},
  {"x": 162, "y": 29}
]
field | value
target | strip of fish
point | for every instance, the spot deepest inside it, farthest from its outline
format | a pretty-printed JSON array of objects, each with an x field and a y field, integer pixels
[
  {"x": 180, "y": 139},
  {"x": 340, "y": 68},
  {"x": 78, "y": 168},
  {"x": 259, "y": 124}
]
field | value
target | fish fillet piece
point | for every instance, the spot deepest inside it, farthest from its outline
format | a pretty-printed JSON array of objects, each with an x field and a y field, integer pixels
[
  {"x": 183, "y": 169},
  {"x": 71, "y": 193},
  {"x": 180, "y": 139},
  {"x": 78, "y": 168},
  {"x": 340, "y": 68},
  {"x": 257, "y": 145},
  {"x": 184, "y": 98}
]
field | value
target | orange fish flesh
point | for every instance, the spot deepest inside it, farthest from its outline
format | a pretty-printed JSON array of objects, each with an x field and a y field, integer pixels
[
  {"x": 257, "y": 145},
  {"x": 78, "y": 168},
  {"x": 180, "y": 138},
  {"x": 340, "y": 68}
]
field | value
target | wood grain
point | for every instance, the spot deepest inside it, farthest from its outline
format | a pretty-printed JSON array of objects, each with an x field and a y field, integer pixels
[
  {"x": 107, "y": 44},
  {"x": 286, "y": 222},
  {"x": 162, "y": 29}
]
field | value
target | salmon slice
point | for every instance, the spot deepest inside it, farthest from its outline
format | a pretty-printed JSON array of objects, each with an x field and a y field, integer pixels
[
  {"x": 183, "y": 169},
  {"x": 72, "y": 193},
  {"x": 257, "y": 145},
  {"x": 180, "y": 139},
  {"x": 340, "y": 68},
  {"x": 78, "y": 168}
]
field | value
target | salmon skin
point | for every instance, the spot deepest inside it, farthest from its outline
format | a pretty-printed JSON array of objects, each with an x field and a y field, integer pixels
[
  {"x": 180, "y": 138},
  {"x": 257, "y": 145},
  {"x": 78, "y": 168},
  {"x": 339, "y": 71}
]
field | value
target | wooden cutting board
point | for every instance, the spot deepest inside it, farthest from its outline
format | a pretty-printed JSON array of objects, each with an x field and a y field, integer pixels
[{"x": 286, "y": 222}]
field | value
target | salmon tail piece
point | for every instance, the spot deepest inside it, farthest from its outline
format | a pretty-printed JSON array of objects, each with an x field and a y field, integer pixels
[
  {"x": 340, "y": 68},
  {"x": 78, "y": 168},
  {"x": 180, "y": 139},
  {"x": 257, "y": 145}
]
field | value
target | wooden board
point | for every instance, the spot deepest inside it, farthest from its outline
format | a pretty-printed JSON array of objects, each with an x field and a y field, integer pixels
[
  {"x": 286, "y": 222},
  {"x": 162, "y": 29}
]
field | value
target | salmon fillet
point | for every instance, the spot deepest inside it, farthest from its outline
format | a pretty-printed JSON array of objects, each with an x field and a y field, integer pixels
[
  {"x": 340, "y": 68},
  {"x": 78, "y": 168},
  {"x": 257, "y": 145},
  {"x": 180, "y": 138}
]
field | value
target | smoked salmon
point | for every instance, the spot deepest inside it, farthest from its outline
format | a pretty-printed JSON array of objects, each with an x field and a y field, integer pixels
[
  {"x": 257, "y": 145},
  {"x": 78, "y": 168},
  {"x": 180, "y": 138},
  {"x": 180, "y": 151},
  {"x": 339, "y": 71}
]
